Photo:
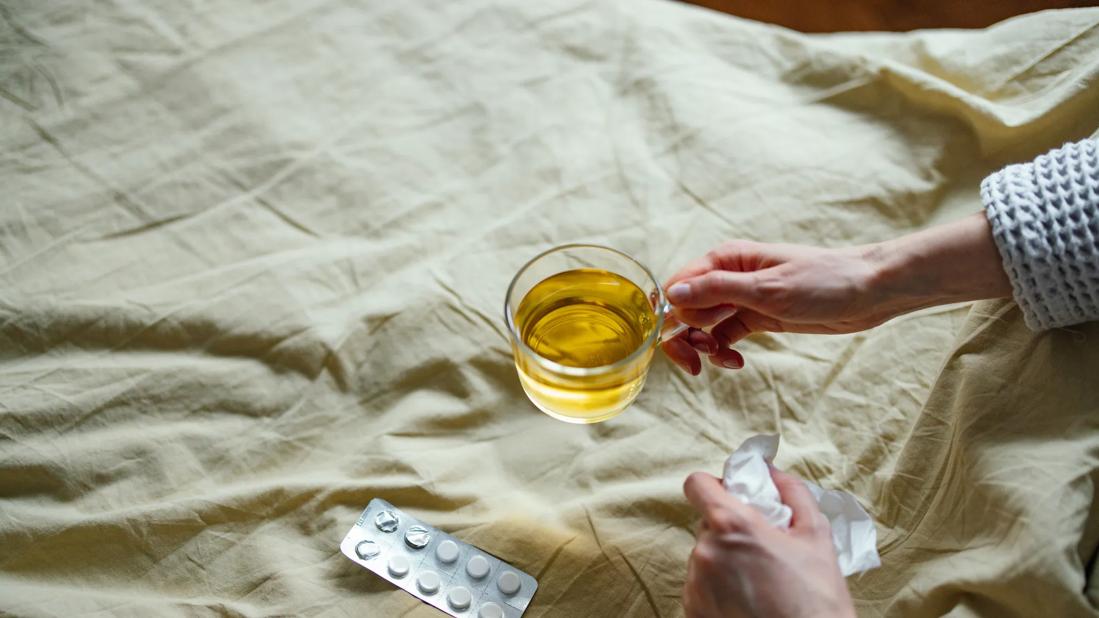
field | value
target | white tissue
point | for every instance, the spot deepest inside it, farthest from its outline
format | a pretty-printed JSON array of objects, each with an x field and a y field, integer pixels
[{"x": 748, "y": 477}]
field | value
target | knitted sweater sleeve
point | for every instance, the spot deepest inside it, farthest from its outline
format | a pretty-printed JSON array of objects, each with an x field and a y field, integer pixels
[{"x": 1045, "y": 222}]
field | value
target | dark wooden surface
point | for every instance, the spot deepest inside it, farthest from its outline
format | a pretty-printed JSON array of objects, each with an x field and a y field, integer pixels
[{"x": 897, "y": 15}]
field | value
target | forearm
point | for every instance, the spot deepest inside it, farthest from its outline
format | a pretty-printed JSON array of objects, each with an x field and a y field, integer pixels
[
  {"x": 1038, "y": 241},
  {"x": 949, "y": 263}
]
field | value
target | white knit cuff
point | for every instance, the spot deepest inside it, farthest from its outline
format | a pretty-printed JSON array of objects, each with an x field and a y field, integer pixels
[{"x": 1045, "y": 221}]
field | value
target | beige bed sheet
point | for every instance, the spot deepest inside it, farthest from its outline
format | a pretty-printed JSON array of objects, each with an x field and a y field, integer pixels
[{"x": 252, "y": 265}]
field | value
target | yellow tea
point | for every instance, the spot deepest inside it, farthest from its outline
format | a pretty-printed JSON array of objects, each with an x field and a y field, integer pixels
[{"x": 584, "y": 319}]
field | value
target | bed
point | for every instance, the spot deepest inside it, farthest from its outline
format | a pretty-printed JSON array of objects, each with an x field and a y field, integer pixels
[{"x": 253, "y": 258}]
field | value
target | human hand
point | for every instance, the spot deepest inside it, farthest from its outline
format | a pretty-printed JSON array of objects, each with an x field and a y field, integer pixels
[
  {"x": 774, "y": 287},
  {"x": 801, "y": 289},
  {"x": 742, "y": 566}
]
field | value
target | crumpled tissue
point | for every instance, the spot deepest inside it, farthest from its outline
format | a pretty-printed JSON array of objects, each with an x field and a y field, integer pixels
[{"x": 748, "y": 477}]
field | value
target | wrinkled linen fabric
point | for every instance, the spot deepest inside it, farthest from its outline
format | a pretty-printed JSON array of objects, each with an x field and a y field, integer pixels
[{"x": 253, "y": 259}]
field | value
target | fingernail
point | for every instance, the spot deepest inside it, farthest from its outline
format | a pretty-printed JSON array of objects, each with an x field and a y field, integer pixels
[
  {"x": 731, "y": 364},
  {"x": 679, "y": 292}
]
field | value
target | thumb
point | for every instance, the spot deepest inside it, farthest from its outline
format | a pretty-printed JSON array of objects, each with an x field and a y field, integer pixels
[
  {"x": 716, "y": 287},
  {"x": 796, "y": 495}
]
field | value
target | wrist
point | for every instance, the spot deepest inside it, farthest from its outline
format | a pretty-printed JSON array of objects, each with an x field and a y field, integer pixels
[
  {"x": 950, "y": 263},
  {"x": 896, "y": 279}
]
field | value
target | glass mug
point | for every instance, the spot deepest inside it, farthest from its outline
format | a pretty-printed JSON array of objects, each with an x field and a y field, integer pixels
[{"x": 584, "y": 322}]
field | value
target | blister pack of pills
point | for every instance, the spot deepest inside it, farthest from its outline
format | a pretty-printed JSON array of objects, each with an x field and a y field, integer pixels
[{"x": 435, "y": 567}]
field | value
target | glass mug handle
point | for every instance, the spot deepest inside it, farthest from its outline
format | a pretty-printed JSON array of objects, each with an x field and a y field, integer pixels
[
  {"x": 672, "y": 326},
  {"x": 662, "y": 308}
]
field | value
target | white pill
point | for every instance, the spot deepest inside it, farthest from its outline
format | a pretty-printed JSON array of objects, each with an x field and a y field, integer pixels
[
  {"x": 398, "y": 566},
  {"x": 458, "y": 597},
  {"x": 447, "y": 551},
  {"x": 490, "y": 610},
  {"x": 477, "y": 567},
  {"x": 508, "y": 583},
  {"x": 428, "y": 581}
]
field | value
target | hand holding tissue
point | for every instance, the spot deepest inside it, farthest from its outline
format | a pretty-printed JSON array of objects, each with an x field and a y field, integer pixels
[{"x": 747, "y": 476}]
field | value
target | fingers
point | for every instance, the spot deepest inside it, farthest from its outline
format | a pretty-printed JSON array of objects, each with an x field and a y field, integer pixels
[
  {"x": 727, "y": 359},
  {"x": 717, "y": 287},
  {"x": 702, "y": 318},
  {"x": 684, "y": 351},
  {"x": 722, "y": 512},
  {"x": 702, "y": 341},
  {"x": 736, "y": 255},
  {"x": 732, "y": 330},
  {"x": 704, "y": 491},
  {"x": 681, "y": 353},
  {"x": 693, "y": 268},
  {"x": 794, "y": 493},
  {"x": 744, "y": 323}
]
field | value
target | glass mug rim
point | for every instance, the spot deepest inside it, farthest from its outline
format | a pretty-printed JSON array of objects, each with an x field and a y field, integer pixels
[{"x": 661, "y": 310}]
